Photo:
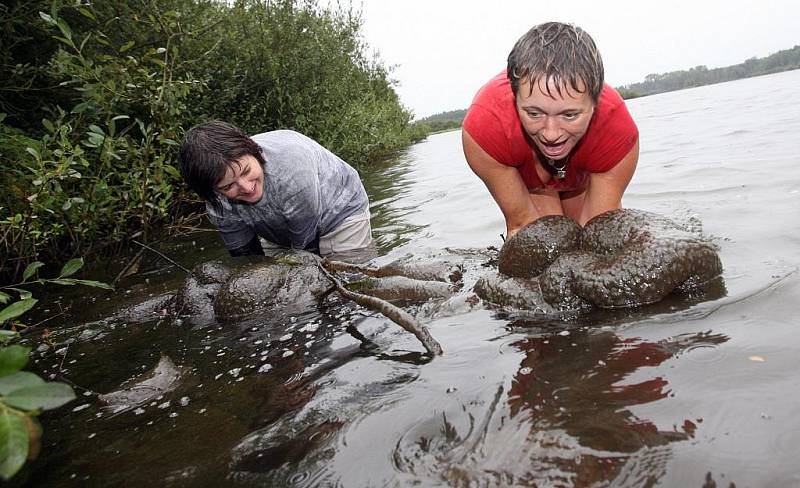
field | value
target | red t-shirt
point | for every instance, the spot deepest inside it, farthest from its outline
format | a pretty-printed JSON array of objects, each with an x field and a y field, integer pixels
[{"x": 493, "y": 123}]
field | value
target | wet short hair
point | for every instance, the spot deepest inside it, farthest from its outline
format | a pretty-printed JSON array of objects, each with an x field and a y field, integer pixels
[
  {"x": 208, "y": 150},
  {"x": 562, "y": 53}
]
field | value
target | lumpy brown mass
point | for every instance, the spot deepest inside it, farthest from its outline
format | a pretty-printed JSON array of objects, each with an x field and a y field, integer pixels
[
  {"x": 528, "y": 252},
  {"x": 622, "y": 258}
]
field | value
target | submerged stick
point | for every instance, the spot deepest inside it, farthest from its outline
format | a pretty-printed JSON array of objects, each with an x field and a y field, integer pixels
[
  {"x": 133, "y": 262},
  {"x": 392, "y": 312},
  {"x": 162, "y": 255}
]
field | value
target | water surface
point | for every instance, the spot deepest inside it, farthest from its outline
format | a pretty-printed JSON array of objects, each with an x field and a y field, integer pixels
[{"x": 678, "y": 394}]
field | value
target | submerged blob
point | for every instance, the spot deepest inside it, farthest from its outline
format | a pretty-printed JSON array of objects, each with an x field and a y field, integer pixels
[
  {"x": 642, "y": 257},
  {"x": 162, "y": 379},
  {"x": 402, "y": 288},
  {"x": 528, "y": 252},
  {"x": 517, "y": 293},
  {"x": 271, "y": 283},
  {"x": 195, "y": 299},
  {"x": 622, "y": 258},
  {"x": 429, "y": 268}
]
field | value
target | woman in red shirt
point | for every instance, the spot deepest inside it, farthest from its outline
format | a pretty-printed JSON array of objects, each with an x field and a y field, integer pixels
[{"x": 548, "y": 136}]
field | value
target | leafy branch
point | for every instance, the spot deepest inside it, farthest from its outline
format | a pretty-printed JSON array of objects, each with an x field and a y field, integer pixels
[
  {"x": 26, "y": 300},
  {"x": 24, "y": 395}
]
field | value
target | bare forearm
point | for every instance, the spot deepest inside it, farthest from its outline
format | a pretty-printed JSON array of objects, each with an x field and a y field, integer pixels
[
  {"x": 606, "y": 189},
  {"x": 504, "y": 183}
]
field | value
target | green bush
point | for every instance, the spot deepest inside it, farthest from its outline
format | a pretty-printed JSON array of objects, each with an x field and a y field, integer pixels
[
  {"x": 117, "y": 83},
  {"x": 95, "y": 174}
]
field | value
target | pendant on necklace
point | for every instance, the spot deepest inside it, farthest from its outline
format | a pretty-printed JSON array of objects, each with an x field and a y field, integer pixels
[{"x": 560, "y": 173}]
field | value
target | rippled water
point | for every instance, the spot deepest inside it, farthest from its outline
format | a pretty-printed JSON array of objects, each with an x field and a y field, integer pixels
[{"x": 678, "y": 394}]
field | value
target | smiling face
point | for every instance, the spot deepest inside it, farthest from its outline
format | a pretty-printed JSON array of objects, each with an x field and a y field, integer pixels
[
  {"x": 554, "y": 122},
  {"x": 243, "y": 180}
]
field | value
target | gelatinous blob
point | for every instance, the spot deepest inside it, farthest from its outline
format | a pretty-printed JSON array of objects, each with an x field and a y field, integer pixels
[
  {"x": 269, "y": 284},
  {"x": 402, "y": 288},
  {"x": 642, "y": 258},
  {"x": 622, "y": 258},
  {"x": 528, "y": 252},
  {"x": 162, "y": 379},
  {"x": 512, "y": 292}
]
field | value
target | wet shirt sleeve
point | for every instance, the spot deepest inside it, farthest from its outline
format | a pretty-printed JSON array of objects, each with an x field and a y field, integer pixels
[
  {"x": 610, "y": 136},
  {"x": 235, "y": 232},
  {"x": 486, "y": 129}
]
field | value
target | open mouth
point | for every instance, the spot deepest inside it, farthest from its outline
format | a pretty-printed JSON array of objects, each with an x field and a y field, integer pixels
[
  {"x": 553, "y": 150},
  {"x": 254, "y": 191}
]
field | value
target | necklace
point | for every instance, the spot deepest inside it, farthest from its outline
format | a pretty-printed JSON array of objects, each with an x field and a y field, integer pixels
[{"x": 561, "y": 171}]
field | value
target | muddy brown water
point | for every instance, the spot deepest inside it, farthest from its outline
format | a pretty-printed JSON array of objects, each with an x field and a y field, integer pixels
[{"x": 681, "y": 393}]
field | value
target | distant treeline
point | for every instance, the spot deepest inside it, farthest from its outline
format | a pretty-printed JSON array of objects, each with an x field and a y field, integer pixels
[
  {"x": 96, "y": 96},
  {"x": 441, "y": 122},
  {"x": 785, "y": 60}
]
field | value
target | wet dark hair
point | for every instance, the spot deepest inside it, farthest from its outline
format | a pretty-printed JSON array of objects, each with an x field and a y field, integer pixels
[
  {"x": 562, "y": 53},
  {"x": 207, "y": 151}
]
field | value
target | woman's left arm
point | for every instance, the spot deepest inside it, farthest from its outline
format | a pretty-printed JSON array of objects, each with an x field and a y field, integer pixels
[{"x": 605, "y": 190}]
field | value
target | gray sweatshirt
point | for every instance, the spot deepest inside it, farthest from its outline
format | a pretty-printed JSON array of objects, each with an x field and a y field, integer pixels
[{"x": 308, "y": 192}]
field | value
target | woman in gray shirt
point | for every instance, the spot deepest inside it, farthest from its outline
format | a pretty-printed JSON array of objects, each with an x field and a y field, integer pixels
[{"x": 280, "y": 185}]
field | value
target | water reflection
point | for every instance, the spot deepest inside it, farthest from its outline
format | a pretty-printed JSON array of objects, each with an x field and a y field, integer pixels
[
  {"x": 566, "y": 419},
  {"x": 387, "y": 183},
  {"x": 240, "y": 379}
]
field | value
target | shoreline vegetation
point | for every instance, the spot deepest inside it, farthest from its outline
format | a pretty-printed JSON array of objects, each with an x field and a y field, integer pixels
[
  {"x": 784, "y": 60},
  {"x": 94, "y": 99}
]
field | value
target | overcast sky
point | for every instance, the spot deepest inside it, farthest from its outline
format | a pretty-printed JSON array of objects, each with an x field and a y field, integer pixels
[{"x": 444, "y": 50}]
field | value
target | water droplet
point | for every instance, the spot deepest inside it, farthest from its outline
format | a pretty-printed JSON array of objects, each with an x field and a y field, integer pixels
[{"x": 312, "y": 327}]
